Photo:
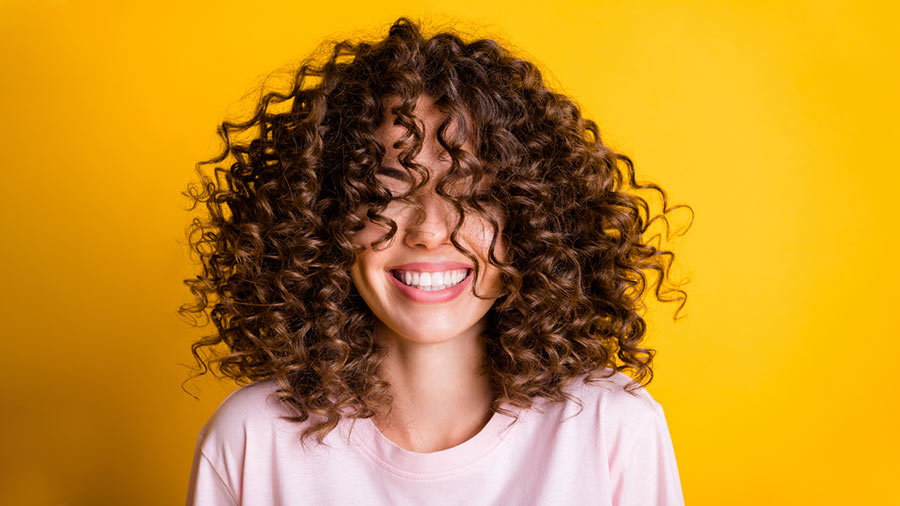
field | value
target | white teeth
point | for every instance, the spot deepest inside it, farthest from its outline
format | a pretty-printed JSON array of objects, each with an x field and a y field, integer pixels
[{"x": 432, "y": 281}]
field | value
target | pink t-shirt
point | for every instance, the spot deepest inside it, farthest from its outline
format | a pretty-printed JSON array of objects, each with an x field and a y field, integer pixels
[{"x": 617, "y": 451}]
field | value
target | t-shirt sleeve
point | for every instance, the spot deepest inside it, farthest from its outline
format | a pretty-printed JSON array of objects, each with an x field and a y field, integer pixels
[
  {"x": 643, "y": 471},
  {"x": 206, "y": 486}
]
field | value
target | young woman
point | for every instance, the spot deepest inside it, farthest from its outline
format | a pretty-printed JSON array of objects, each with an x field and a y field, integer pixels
[{"x": 428, "y": 273}]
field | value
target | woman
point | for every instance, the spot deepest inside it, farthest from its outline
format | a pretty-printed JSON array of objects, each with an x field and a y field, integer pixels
[{"x": 425, "y": 260}]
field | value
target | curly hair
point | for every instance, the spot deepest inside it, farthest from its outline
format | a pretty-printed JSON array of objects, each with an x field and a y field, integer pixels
[{"x": 276, "y": 251}]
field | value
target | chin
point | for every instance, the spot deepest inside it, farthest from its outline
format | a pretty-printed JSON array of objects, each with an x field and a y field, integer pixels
[{"x": 420, "y": 334}]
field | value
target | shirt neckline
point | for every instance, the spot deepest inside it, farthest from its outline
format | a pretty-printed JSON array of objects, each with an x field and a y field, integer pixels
[{"x": 433, "y": 465}]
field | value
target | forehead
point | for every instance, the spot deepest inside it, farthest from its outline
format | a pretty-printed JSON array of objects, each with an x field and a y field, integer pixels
[{"x": 429, "y": 116}]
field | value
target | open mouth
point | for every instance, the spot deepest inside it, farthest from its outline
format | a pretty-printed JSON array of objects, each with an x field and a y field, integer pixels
[{"x": 432, "y": 281}]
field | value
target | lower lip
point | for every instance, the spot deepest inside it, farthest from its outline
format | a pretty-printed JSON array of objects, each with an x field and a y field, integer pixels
[{"x": 430, "y": 297}]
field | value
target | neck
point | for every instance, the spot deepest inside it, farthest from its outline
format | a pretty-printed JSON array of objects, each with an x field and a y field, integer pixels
[{"x": 440, "y": 397}]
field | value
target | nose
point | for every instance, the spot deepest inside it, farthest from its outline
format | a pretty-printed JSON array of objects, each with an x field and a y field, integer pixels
[{"x": 431, "y": 226}]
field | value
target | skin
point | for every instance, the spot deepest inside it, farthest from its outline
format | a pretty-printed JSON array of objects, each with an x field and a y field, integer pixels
[{"x": 434, "y": 349}]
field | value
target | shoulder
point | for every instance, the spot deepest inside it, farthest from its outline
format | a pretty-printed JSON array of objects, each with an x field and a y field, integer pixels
[
  {"x": 613, "y": 391},
  {"x": 619, "y": 408},
  {"x": 634, "y": 438},
  {"x": 250, "y": 409},
  {"x": 246, "y": 403}
]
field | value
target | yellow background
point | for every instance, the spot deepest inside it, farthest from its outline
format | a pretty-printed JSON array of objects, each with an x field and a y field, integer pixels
[{"x": 777, "y": 121}]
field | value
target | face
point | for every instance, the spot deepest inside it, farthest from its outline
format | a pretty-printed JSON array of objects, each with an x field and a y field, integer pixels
[{"x": 421, "y": 251}]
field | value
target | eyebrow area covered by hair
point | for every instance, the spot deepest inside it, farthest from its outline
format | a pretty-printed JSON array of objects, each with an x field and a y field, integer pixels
[
  {"x": 393, "y": 173},
  {"x": 404, "y": 176}
]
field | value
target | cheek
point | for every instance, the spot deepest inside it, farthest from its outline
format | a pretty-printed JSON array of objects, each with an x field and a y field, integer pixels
[
  {"x": 369, "y": 233},
  {"x": 482, "y": 234},
  {"x": 363, "y": 274},
  {"x": 371, "y": 230}
]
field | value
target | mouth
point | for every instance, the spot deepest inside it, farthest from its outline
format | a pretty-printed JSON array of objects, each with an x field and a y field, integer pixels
[{"x": 431, "y": 283}]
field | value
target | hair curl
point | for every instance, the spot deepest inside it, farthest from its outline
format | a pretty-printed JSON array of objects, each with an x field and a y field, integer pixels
[{"x": 276, "y": 253}]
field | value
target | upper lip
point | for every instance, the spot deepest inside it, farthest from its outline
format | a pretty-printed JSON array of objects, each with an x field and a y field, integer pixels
[{"x": 430, "y": 266}]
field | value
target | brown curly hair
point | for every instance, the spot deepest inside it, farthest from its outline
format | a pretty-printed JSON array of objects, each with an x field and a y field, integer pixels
[{"x": 276, "y": 251}]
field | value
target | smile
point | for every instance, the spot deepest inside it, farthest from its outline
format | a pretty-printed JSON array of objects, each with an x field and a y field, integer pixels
[
  {"x": 430, "y": 287},
  {"x": 432, "y": 281}
]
